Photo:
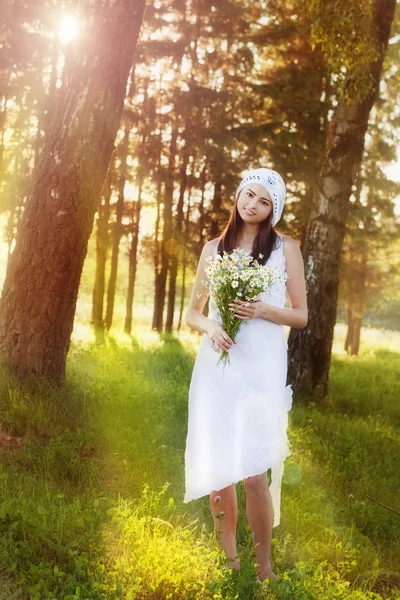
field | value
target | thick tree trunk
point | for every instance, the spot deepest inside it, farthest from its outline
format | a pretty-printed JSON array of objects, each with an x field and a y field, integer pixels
[
  {"x": 174, "y": 262},
  {"x": 37, "y": 307},
  {"x": 102, "y": 242},
  {"x": 161, "y": 280},
  {"x": 310, "y": 348}
]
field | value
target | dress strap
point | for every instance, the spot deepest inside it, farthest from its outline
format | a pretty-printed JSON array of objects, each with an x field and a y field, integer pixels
[{"x": 216, "y": 247}]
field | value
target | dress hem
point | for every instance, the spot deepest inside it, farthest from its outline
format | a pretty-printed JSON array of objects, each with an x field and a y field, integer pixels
[{"x": 274, "y": 486}]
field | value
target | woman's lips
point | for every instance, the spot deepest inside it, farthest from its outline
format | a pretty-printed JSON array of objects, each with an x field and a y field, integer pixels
[{"x": 249, "y": 213}]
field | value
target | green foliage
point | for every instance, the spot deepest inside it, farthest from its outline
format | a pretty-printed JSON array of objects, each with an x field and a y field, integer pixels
[
  {"x": 344, "y": 30},
  {"x": 91, "y": 503}
]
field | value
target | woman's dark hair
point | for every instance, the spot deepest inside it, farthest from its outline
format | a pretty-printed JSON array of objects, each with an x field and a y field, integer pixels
[{"x": 264, "y": 242}]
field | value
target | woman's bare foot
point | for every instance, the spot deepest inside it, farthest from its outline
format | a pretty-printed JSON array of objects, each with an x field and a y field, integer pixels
[
  {"x": 266, "y": 573},
  {"x": 234, "y": 564}
]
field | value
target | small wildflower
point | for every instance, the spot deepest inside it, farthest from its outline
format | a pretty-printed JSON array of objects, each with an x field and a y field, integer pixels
[
  {"x": 362, "y": 503},
  {"x": 351, "y": 497}
]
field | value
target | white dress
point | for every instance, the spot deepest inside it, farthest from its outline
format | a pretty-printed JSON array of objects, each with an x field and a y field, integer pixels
[{"x": 238, "y": 418}]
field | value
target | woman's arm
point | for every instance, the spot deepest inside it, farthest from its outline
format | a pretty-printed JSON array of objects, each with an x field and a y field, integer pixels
[
  {"x": 297, "y": 315},
  {"x": 194, "y": 317}
]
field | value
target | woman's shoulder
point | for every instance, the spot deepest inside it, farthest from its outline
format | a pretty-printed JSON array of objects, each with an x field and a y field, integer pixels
[
  {"x": 209, "y": 249},
  {"x": 288, "y": 241},
  {"x": 211, "y": 245},
  {"x": 291, "y": 246}
]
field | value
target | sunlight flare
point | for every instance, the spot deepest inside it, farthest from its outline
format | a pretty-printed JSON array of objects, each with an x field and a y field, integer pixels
[{"x": 68, "y": 29}]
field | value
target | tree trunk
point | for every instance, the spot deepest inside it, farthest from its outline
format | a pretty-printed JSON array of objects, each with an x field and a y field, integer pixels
[
  {"x": 349, "y": 328},
  {"x": 356, "y": 303},
  {"x": 157, "y": 246},
  {"x": 161, "y": 280},
  {"x": 47, "y": 100},
  {"x": 174, "y": 262},
  {"x": 184, "y": 262},
  {"x": 102, "y": 242},
  {"x": 216, "y": 208},
  {"x": 310, "y": 348},
  {"x": 3, "y": 122},
  {"x": 117, "y": 230},
  {"x": 136, "y": 210},
  {"x": 201, "y": 206},
  {"x": 37, "y": 307}
]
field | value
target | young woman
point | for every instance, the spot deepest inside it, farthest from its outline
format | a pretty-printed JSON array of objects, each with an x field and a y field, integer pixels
[{"x": 238, "y": 417}]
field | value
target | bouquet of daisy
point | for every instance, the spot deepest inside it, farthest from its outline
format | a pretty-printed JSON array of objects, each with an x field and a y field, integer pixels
[{"x": 237, "y": 274}]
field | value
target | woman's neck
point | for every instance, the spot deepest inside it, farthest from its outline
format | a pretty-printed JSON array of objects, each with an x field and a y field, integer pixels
[{"x": 247, "y": 236}]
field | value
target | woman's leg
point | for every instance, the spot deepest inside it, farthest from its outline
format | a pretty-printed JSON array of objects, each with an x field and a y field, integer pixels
[
  {"x": 224, "y": 511},
  {"x": 260, "y": 516}
]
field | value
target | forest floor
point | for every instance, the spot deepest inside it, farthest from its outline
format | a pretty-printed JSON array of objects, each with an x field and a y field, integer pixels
[{"x": 92, "y": 481}]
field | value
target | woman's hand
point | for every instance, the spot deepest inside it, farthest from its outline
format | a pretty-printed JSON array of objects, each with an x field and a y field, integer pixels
[
  {"x": 220, "y": 340},
  {"x": 248, "y": 310}
]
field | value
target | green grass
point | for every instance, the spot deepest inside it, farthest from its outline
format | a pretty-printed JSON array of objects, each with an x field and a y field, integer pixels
[{"x": 91, "y": 501}]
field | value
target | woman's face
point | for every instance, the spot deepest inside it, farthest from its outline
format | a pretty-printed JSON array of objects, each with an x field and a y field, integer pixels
[{"x": 254, "y": 203}]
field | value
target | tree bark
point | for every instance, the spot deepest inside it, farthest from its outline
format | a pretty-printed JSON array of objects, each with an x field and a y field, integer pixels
[
  {"x": 310, "y": 348},
  {"x": 37, "y": 307}
]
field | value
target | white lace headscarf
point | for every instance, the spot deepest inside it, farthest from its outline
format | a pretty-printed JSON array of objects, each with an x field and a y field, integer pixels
[{"x": 273, "y": 183}]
